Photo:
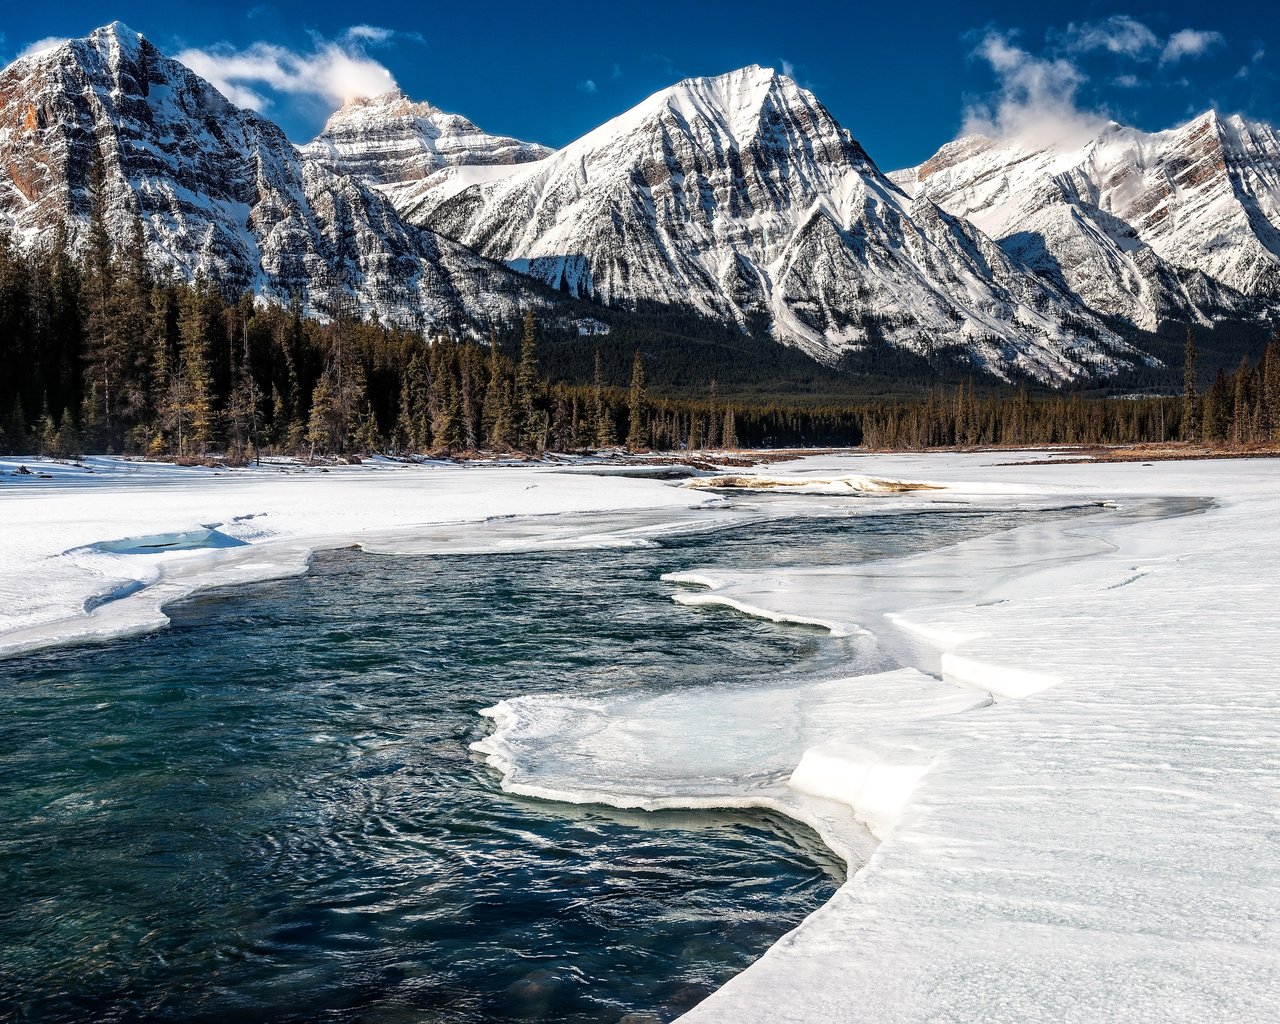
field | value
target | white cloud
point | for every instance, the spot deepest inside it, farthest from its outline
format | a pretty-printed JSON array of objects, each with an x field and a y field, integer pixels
[
  {"x": 41, "y": 45},
  {"x": 1189, "y": 42},
  {"x": 1127, "y": 81},
  {"x": 788, "y": 69},
  {"x": 369, "y": 34},
  {"x": 1036, "y": 102},
  {"x": 588, "y": 86},
  {"x": 1119, "y": 34},
  {"x": 333, "y": 71}
]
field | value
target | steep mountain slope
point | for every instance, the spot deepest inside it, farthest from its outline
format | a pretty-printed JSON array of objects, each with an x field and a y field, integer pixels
[
  {"x": 1146, "y": 226},
  {"x": 220, "y": 191},
  {"x": 407, "y": 149},
  {"x": 741, "y": 197}
]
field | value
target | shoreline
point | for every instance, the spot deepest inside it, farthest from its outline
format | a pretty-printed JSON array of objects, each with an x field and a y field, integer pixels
[{"x": 954, "y": 792}]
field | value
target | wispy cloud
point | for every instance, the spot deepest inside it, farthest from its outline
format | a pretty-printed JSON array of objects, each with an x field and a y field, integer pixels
[
  {"x": 1119, "y": 34},
  {"x": 1036, "y": 101},
  {"x": 333, "y": 71},
  {"x": 40, "y": 45},
  {"x": 1189, "y": 42},
  {"x": 588, "y": 85}
]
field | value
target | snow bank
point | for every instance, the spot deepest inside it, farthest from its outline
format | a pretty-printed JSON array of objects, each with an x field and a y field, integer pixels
[
  {"x": 1096, "y": 842},
  {"x": 96, "y": 549}
]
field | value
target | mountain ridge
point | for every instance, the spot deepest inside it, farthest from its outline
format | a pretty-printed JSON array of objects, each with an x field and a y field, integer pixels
[
  {"x": 1187, "y": 220},
  {"x": 737, "y": 197},
  {"x": 221, "y": 192}
]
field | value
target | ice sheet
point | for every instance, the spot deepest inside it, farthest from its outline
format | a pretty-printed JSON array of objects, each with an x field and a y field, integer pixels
[
  {"x": 1095, "y": 843},
  {"x": 97, "y": 548}
]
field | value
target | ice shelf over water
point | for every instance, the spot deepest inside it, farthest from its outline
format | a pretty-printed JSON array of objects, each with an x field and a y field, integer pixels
[
  {"x": 1071, "y": 784},
  {"x": 1079, "y": 821}
]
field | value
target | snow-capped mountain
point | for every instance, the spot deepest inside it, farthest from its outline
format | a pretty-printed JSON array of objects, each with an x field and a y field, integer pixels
[
  {"x": 221, "y": 192},
  {"x": 742, "y": 197},
  {"x": 1178, "y": 224},
  {"x": 408, "y": 150}
]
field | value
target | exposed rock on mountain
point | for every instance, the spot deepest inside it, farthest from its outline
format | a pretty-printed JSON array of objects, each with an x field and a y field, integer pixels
[
  {"x": 742, "y": 197},
  {"x": 1181, "y": 224},
  {"x": 220, "y": 191}
]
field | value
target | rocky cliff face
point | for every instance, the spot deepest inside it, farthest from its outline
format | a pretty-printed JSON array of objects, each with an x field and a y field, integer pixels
[
  {"x": 742, "y": 197},
  {"x": 407, "y": 150},
  {"x": 1144, "y": 226},
  {"x": 220, "y": 191},
  {"x": 737, "y": 196}
]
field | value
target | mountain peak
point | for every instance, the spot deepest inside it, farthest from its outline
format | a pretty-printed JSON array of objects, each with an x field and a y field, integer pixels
[{"x": 117, "y": 33}]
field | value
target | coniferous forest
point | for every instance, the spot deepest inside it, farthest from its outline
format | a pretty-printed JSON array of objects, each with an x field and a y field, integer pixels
[{"x": 102, "y": 355}]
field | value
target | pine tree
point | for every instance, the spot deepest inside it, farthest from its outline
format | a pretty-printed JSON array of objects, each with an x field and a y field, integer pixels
[
  {"x": 104, "y": 349},
  {"x": 713, "y": 418},
  {"x": 530, "y": 421},
  {"x": 1217, "y": 410},
  {"x": 602, "y": 418},
  {"x": 195, "y": 388},
  {"x": 636, "y": 406},
  {"x": 729, "y": 439},
  {"x": 467, "y": 358},
  {"x": 1241, "y": 412},
  {"x": 323, "y": 423},
  {"x": 69, "y": 443},
  {"x": 1271, "y": 386},
  {"x": 1191, "y": 423}
]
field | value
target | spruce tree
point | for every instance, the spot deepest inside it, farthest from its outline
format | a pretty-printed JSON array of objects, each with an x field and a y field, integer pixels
[
  {"x": 529, "y": 421},
  {"x": 602, "y": 417},
  {"x": 195, "y": 391},
  {"x": 636, "y": 406},
  {"x": 730, "y": 437},
  {"x": 1241, "y": 412},
  {"x": 1191, "y": 424}
]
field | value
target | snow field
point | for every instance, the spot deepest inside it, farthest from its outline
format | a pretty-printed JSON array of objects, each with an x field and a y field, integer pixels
[
  {"x": 1061, "y": 808},
  {"x": 1077, "y": 821},
  {"x": 271, "y": 520}
]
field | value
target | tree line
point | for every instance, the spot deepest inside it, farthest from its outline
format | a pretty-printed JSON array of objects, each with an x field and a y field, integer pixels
[{"x": 102, "y": 354}]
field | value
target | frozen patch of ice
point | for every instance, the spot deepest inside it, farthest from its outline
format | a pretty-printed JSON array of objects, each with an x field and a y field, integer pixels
[
  {"x": 716, "y": 746},
  {"x": 186, "y": 540},
  {"x": 837, "y": 485}
]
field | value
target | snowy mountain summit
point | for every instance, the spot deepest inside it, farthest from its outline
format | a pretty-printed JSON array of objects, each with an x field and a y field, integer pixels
[
  {"x": 1181, "y": 224},
  {"x": 396, "y": 145},
  {"x": 738, "y": 197},
  {"x": 220, "y": 192},
  {"x": 742, "y": 197}
]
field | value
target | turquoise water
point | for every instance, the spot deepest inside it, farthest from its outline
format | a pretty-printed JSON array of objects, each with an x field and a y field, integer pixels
[{"x": 270, "y": 812}]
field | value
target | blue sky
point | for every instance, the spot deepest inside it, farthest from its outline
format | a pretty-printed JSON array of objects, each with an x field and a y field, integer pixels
[{"x": 903, "y": 77}]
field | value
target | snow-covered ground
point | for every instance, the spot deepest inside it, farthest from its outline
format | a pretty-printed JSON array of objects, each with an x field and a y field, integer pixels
[
  {"x": 170, "y": 530},
  {"x": 1071, "y": 783},
  {"x": 1078, "y": 821}
]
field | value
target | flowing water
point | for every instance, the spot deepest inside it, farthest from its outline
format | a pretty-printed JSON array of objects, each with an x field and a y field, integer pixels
[{"x": 270, "y": 812}]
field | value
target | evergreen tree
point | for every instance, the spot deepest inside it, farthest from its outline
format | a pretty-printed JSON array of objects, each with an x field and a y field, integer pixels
[
  {"x": 530, "y": 422},
  {"x": 730, "y": 437},
  {"x": 194, "y": 393},
  {"x": 1191, "y": 423},
  {"x": 636, "y": 406},
  {"x": 602, "y": 418}
]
